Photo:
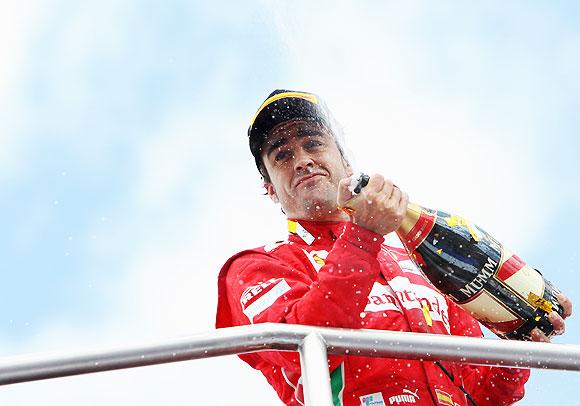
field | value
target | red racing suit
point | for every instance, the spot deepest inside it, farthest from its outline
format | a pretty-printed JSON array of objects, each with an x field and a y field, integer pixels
[{"x": 333, "y": 274}]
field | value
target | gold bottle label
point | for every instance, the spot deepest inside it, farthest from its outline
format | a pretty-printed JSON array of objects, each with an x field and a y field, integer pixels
[{"x": 416, "y": 225}]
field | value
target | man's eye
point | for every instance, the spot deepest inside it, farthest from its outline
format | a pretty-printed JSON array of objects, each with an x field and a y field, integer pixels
[
  {"x": 282, "y": 155},
  {"x": 310, "y": 144}
]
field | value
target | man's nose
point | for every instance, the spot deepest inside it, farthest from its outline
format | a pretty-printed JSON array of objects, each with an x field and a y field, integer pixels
[{"x": 303, "y": 161}]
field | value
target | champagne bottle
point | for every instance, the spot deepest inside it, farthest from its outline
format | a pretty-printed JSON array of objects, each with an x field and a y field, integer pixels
[{"x": 474, "y": 270}]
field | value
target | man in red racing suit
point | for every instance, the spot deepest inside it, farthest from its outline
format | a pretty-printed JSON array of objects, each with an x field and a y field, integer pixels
[
  {"x": 335, "y": 271},
  {"x": 347, "y": 278}
]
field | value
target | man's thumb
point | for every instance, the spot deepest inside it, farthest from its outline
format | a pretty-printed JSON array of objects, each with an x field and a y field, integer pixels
[{"x": 344, "y": 194}]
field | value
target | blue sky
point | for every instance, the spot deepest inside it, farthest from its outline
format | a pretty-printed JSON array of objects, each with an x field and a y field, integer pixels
[{"x": 126, "y": 181}]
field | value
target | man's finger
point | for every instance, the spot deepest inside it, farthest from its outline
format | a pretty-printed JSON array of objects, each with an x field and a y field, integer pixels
[
  {"x": 403, "y": 203},
  {"x": 566, "y": 304},
  {"x": 557, "y": 322},
  {"x": 344, "y": 194},
  {"x": 538, "y": 336},
  {"x": 376, "y": 183},
  {"x": 393, "y": 198}
]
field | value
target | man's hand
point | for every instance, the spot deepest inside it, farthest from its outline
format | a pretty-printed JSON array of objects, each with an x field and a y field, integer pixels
[
  {"x": 556, "y": 320},
  {"x": 379, "y": 207}
]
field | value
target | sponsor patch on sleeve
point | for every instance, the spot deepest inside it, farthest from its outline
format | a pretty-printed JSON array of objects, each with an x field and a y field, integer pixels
[
  {"x": 407, "y": 397},
  {"x": 272, "y": 246},
  {"x": 373, "y": 399},
  {"x": 316, "y": 258},
  {"x": 257, "y": 298},
  {"x": 443, "y": 398}
]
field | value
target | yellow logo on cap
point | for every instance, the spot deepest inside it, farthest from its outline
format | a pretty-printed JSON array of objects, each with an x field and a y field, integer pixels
[{"x": 306, "y": 96}]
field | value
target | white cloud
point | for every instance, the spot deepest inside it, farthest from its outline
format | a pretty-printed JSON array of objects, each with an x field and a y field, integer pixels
[{"x": 18, "y": 25}]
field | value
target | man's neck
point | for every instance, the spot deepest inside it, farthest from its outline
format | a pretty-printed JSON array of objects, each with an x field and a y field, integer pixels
[{"x": 322, "y": 216}]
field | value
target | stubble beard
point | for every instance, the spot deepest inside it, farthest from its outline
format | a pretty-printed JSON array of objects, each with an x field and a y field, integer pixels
[{"x": 320, "y": 205}]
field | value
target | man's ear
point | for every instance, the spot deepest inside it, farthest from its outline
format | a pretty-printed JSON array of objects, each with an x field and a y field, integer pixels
[{"x": 271, "y": 192}]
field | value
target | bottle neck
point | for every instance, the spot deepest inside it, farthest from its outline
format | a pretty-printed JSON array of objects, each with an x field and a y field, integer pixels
[{"x": 416, "y": 225}]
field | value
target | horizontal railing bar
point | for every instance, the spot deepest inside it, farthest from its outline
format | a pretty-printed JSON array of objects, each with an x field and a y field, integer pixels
[
  {"x": 469, "y": 350},
  {"x": 286, "y": 337},
  {"x": 228, "y": 341}
]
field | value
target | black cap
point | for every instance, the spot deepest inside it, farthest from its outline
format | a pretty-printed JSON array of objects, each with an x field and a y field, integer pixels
[{"x": 280, "y": 106}]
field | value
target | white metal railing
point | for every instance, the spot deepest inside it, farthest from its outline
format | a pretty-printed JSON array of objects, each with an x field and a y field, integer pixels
[{"x": 313, "y": 344}]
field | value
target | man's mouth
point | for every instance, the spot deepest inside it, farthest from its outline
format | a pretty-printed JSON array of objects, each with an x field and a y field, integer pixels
[{"x": 306, "y": 178}]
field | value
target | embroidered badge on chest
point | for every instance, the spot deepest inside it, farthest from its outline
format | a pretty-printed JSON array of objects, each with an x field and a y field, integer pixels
[{"x": 316, "y": 258}]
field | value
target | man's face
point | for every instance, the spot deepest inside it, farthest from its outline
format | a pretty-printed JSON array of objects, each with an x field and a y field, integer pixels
[{"x": 305, "y": 166}]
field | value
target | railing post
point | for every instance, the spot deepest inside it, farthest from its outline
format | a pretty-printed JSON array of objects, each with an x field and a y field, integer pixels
[{"x": 315, "y": 375}]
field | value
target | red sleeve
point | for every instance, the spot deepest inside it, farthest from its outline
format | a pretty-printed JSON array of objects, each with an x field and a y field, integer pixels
[
  {"x": 489, "y": 386},
  {"x": 261, "y": 288}
]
